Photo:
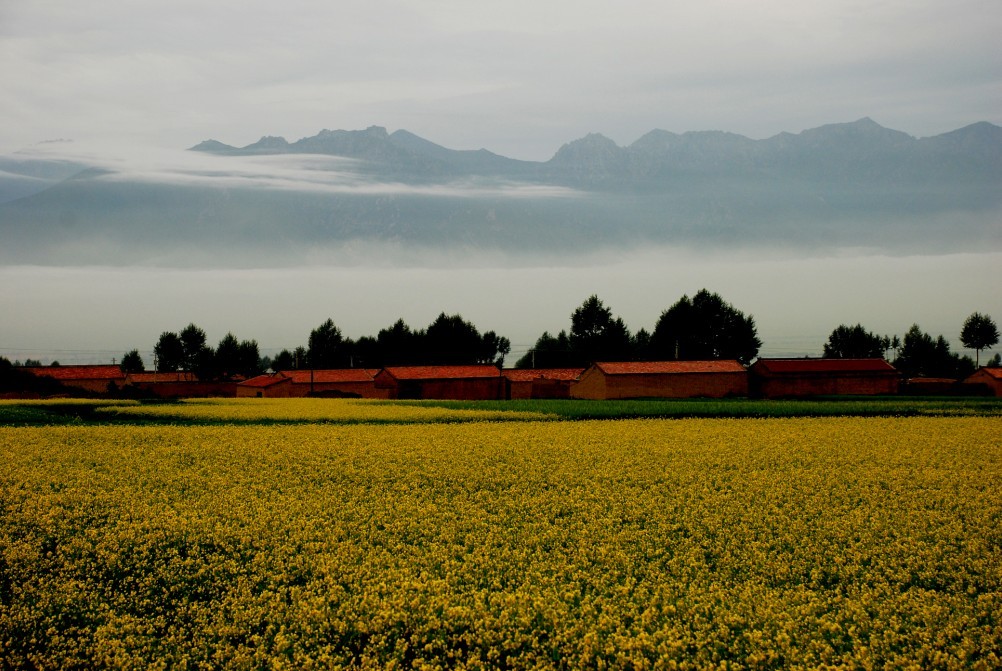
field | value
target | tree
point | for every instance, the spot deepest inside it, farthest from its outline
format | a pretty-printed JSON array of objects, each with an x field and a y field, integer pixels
[
  {"x": 494, "y": 349},
  {"x": 596, "y": 336},
  {"x": 168, "y": 353},
  {"x": 549, "y": 352},
  {"x": 855, "y": 342},
  {"x": 995, "y": 361},
  {"x": 237, "y": 358},
  {"x": 198, "y": 356},
  {"x": 284, "y": 360},
  {"x": 397, "y": 345},
  {"x": 132, "y": 362},
  {"x": 452, "y": 340},
  {"x": 922, "y": 355},
  {"x": 705, "y": 327},
  {"x": 327, "y": 347},
  {"x": 979, "y": 332}
]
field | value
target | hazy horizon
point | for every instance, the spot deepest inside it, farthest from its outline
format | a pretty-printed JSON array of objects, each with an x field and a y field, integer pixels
[{"x": 92, "y": 315}]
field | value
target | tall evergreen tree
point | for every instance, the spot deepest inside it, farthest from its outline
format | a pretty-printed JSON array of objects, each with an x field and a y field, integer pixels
[
  {"x": 596, "y": 336},
  {"x": 327, "y": 347},
  {"x": 705, "y": 327}
]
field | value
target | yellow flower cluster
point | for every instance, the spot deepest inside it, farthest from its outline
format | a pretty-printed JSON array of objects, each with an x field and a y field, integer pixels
[
  {"x": 256, "y": 410},
  {"x": 639, "y": 544}
]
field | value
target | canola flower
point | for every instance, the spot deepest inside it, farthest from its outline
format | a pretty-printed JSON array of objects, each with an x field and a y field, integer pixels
[
  {"x": 252, "y": 410},
  {"x": 642, "y": 544}
]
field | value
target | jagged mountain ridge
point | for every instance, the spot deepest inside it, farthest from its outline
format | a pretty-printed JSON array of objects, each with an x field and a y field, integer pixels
[
  {"x": 863, "y": 150},
  {"x": 855, "y": 185}
]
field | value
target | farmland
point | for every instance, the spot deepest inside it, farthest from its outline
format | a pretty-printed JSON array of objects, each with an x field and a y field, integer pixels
[{"x": 337, "y": 534}]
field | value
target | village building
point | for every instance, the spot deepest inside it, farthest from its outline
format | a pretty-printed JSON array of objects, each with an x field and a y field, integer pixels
[
  {"x": 265, "y": 386},
  {"x": 94, "y": 379},
  {"x": 179, "y": 384},
  {"x": 525, "y": 383},
  {"x": 334, "y": 383},
  {"x": 662, "y": 379},
  {"x": 988, "y": 378},
  {"x": 464, "y": 383},
  {"x": 799, "y": 378}
]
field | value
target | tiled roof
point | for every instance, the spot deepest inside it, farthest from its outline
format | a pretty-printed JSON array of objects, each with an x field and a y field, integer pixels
[
  {"x": 992, "y": 372},
  {"x": 668, "y": 367},
  {"x": 329, "y": 376},
  {"x": 264, "y": 381},
  {"x": 530, "y": 374},
  {"x": 79, "y": 373},
  {"x": 163, "y": 376},
  {"x": 441, "y": 372},
  {"x": 792, "y": 366}
]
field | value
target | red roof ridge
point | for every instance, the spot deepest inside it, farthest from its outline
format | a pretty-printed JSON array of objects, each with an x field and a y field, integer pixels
[
  {"x": 529, "y": 374},
  {"x": 672, "y": 367},
  {"x": 78, "y": 372},
  {"x": 442, "y": 372}
]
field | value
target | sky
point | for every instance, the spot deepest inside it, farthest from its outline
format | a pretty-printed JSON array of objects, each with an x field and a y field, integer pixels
[
  {"x": 142, "y": 79},
  {"x": 520, "y": 78}
]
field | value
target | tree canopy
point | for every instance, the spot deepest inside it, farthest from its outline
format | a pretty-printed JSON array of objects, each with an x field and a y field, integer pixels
[
  {"x": 705, "y": 327},
  {"x": 855, "y": 342},
  {"x": 132, "y": 362},
  {"x": 922, "y": 355},
  {"x": 596, "y": 336},
  {"x": 979, "y": 332}
]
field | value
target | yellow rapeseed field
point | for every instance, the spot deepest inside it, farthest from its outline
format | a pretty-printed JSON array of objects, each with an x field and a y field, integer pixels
[
  {"x": 637, "y": 544},
  {"x": 244, "y": 410}
]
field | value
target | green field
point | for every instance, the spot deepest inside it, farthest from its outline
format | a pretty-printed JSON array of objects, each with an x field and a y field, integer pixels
[{"x": 79, "y": 411}]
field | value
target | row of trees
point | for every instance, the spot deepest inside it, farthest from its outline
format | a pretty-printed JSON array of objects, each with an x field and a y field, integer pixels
[
  {"x": 188, "y": 350},
  {"x": 704, "y": 326},
  {"x": 448, "y": 340},
  {"x": 918, "y": 353}
]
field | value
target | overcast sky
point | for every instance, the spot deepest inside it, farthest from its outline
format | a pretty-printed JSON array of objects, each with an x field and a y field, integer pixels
[{"x": 519, "y": 77}]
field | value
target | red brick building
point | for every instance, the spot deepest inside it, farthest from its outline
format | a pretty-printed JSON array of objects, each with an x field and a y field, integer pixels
[
  {"x": 338, "y": 382},
  {"x": 522, "y": 383},
  {"x": 265, "y": 386},
  {"x": 464, "y": 383},
  {"x": 662, "y": 379},
  {"x": 798, "y": 378},
  {"x": 179, "y": 384},
  {"x": 94, "y": 379},
  {"x": 987, "y": 377}
]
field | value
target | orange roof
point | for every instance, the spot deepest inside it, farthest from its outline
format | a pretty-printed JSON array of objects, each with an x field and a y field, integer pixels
[
  {"x": 669, "y": 367},
  {"x": 794, "y": 366},
  {"x": 329, "y": 376},
  {"x": 162, "y": 376},
  {"x": 441, "y": 372},
  {"x": 78, "y": 373},
  {"x": 991, "y": 371},
  {"x": 264, "y": 381},
  {"x": 530, "y": 374}
]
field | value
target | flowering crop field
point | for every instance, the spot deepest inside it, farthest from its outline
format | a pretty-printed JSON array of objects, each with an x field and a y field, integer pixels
[{"x": 638, "y": 544}]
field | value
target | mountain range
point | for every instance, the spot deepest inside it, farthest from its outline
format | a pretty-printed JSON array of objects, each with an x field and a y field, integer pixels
[{"x": 850, "y": 185}]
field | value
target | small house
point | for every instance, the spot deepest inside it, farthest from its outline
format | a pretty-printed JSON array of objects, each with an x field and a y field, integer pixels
[
  {"x": 523, "y": 383},
  {"x": 179, "y": 384},
  {"x": 987, "y": 378},
  {"x": 799, "y": 378},
  {"x": 464, "y": 383},
  {"x": 265, "y": 386},
  {"x": 334, "y": 382},
  {"x": 662, "y": 379},
  {"x": 94, "y": 379}
]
